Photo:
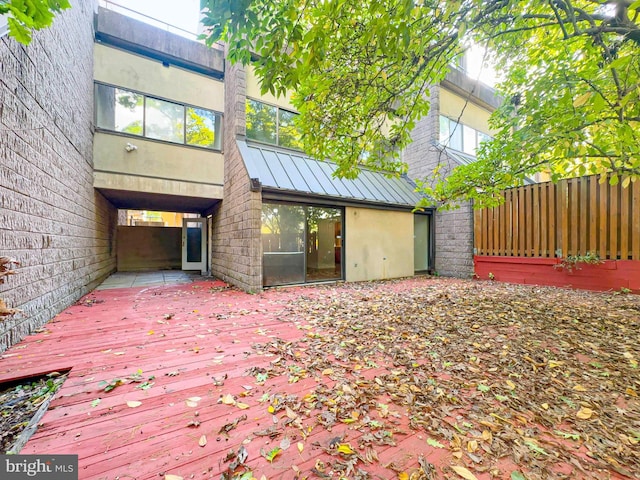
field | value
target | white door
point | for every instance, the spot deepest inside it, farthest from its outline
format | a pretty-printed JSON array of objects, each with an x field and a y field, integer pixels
[{"x": 194, "y": 244}]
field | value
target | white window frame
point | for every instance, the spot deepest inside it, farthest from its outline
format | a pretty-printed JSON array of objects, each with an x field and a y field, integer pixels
[{"x": 459, "y": 126}]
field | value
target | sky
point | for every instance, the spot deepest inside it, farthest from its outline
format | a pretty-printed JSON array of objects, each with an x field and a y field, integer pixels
[{"x": 184, "y": 14}]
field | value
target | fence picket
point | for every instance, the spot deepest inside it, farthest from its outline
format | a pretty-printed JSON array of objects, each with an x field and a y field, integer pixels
[
  {"x": 604, "y": 207},
  {"x": 553, "y": 219},
  {"x": 572, "y": 217},
  {"x": 635, "y": 224},
  {"x": 593, "y": 213}
]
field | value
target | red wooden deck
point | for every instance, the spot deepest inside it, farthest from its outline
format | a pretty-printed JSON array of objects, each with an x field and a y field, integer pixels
[
  {"x": 113, "y": 334},
  {"x": 188, "y": 338}
]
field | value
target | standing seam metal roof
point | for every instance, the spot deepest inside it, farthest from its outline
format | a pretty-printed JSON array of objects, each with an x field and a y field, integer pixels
[{"x": 285, "y": 171}]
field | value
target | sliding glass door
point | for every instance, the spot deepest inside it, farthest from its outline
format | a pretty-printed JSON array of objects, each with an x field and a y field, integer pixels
[
  {"x": 324, "y": 244},
  {"x": 301, "y": 244}
]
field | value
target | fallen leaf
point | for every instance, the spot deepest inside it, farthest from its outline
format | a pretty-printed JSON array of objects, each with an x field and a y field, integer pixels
[
  {"x": 300, "y": 447},
  {"x": 434, "y": 443},
  {"x": 271, "y": 454},
  {"x": 403, "y": 476},
  {"x": 464, "y": 473},
  {"x": 228, "y": 399},
  {"x": 133, "y": 403},
  {"x": 579, "y": 388},
  {"x": 172, "y": 477},
  {"x": 327, "y": 371},
  {"x": 242, "y": 406},
  {"x": 517, "y": 476},
  {"x": 345, "y": 448},
  {"x": 584, "y": 413},
  {"x": 203, "y": 441}
]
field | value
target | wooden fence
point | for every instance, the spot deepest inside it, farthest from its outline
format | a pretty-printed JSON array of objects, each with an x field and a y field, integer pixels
[{"x": 572, "y": 217}]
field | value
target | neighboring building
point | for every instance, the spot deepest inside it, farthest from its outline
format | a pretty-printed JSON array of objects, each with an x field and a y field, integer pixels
[
  {"x": 448, "y": 136},
  {"x": 132, "y": 148}
]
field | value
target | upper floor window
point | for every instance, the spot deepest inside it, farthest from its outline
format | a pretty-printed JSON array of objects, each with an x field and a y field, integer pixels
[
  {"x": 460, "y": 137},
  {"x": 4, "y": 26},
  {"x": 134, "y": 113},
  {"x": 270, "y": 124}
]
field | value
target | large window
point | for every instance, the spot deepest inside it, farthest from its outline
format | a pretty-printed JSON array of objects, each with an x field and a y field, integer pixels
[
  {"x": 301, "y": 244},
  {"x": 270, "y": 124},
  {"x": 4, "y": 27},
  {"x": 460, "y": 137},
  {"x": 134, "y": 113}
]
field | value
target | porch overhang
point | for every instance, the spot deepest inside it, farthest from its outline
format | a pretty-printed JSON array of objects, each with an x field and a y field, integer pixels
[{"x": 286, "y": 175}]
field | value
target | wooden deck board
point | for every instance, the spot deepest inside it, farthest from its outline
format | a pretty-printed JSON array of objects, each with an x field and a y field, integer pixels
[{"x": 187, "y": 338}]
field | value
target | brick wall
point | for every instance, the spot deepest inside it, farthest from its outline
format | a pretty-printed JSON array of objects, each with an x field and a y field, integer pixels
[
  {"x": 51, "y": 219},
  {"x": 454, "y": 228},
  {"x": 236, "y": 248}
]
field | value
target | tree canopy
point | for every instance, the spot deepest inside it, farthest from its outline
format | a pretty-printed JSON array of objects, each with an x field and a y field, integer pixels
[
  {"x": 24, "y": 16},
  {"x": 361, "y": 73}
]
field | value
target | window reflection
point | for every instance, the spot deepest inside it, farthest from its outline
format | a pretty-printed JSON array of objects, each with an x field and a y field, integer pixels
[
  {"x": 164, "y": 120},
  {"x": 301, "y": 244},
  {"x": 261, "y": 121},
  {"x": 202, "y": 126},
  {"x": 283, "y": 244},
  {"x": 133, "y": 113},
  {"x": 273, "y": 125},
  {"x": 460, "y": 137},
  {"x": 288, "y": 134}
]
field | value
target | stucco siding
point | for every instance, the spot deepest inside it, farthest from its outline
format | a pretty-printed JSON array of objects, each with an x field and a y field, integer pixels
[
  {"x": 124, "y": 69},
  {"x": 378, "y": 243}
]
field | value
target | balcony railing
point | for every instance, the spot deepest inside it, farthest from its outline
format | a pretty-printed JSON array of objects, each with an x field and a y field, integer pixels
[{"x": 116, "y": 7}]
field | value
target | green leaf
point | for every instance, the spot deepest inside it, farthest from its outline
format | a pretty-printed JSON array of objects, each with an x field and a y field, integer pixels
[
  {"x": 517, "y": 476},
  {"x": 484, "y": 388},
  {"x": 271, "y": 454},
  {"x": 434, "y": 443}
]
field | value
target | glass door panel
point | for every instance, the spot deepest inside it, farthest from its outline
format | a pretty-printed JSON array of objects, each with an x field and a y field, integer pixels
[
  {"x": 421, "y": 243},
  {"x": 194, "y": 243},
  {"x": 324, "y": 244},
  {"x": 283, "y": 234}
]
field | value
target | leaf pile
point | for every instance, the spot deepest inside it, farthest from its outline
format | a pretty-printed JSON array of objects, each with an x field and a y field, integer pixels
[{"x": 500, "y": 377}]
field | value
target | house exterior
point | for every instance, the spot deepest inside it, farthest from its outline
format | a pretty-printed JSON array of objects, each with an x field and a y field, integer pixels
[
  {"x": 458, "y": 120},
  {"x": 104, "y": 116}
]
